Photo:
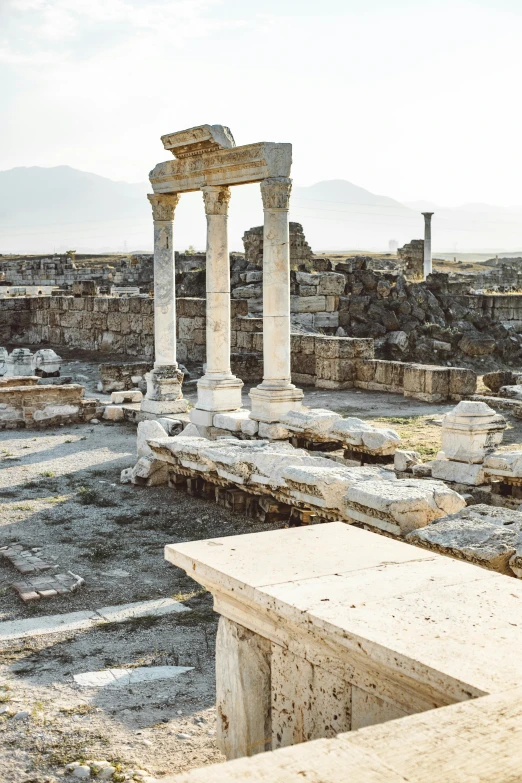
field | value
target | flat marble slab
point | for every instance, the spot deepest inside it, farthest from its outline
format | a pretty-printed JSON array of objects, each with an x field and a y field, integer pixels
[{"x": 439, "y": 621}]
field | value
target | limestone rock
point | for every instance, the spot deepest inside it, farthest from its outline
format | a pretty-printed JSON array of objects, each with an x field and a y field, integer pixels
[
  {"x": 504, "y": 463},
  {"x": 477, "y": 345},
  {"x": 512, "y": 392},
  {"x": 404, "y": 460},
  {"x": 231, "y": 420},
  {"x": 482, "y": 534},
  {"x": 401, "y": 506},
  {"x": 113, "y": 413},
  {"x": 120, "y": 397},
  {"x": 459, "y": 472},
  {"x": 148, "y": 430},
  {"x": 314, "y": 422}
]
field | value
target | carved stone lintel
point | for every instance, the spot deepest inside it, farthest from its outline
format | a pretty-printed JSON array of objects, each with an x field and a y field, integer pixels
[
  {"x": 216, "y": 198},
  {"x": 163, "y": 205},
  {"x": 276, "y": 192}
]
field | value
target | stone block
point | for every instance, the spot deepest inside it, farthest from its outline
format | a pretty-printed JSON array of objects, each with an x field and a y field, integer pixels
[
  {"x": 462, "y": 383},
  {"x": 113, "y": 413},
  {"x": 458, "y": 472},
  {"x": 405, "y": 460},
  {"x": 335, "y": 369},
  {"x": 307, "y": 290},
  {"x": 480, "y": 534},
  {"x": 231, "y": 421},
  {"x": 331, "y": 283},
  {"x": 326, "y": 320},
  {"x": 306, "y": 278},
  {"x": 426, "y": 382},
  {"x": 273, "y": 431},
  {"x": 120, "y": 397},
  {"x": 400, "y": 507},
  {"x": 307, "y": 304},
  {"x": 148, "y": 430},
  {"x": 303, "y": 363}
]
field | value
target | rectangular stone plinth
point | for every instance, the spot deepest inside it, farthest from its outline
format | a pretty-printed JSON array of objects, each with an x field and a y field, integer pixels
[
  {"x": 163, "y": 407},
  {"x": 363, "y": 626}
]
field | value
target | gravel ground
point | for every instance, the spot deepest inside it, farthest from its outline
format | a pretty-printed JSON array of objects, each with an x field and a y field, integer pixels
[{"x": 59, "y": 490}]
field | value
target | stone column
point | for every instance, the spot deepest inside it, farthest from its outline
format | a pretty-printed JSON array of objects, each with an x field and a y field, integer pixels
[
  {"x": 164, "y": 394},
  {"x": 218, "y": 389},
  {"x": 276, "y": 395},
  {"x": 427, "y": 243}
]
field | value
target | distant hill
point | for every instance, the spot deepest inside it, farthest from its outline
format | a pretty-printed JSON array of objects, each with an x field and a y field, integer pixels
[{"x": 61, "y": 208}]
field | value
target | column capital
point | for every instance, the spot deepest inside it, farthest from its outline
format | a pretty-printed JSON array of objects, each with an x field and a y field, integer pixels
[
  {"x": 216, "y": 198},
  {"x": 275, "y": 192},
  {"x": 163, "y": 205}
]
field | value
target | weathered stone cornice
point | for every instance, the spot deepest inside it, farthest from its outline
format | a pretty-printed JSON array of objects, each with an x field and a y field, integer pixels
[{"x": 236, "y": 166}]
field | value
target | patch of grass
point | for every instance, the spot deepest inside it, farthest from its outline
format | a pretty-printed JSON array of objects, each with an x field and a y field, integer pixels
[
  {"x": 418, "y": 433},
  {"x": 88, "y": 496},
  {"x": 48, "y": 473},
  {"x": 100, "y": 552},
  {"x": 24, "y": 507},
  {"x": 78, "y": 709}
]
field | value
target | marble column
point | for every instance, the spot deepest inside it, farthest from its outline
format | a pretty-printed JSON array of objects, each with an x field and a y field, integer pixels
[
  {"x": 427, "y": 243},
  {"x": 218, "y": 389},
  {"x": 276, "y": 395},
  {"x": 164, "y": 395}
]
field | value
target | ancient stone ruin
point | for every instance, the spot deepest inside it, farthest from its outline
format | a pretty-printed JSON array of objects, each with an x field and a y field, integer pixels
[{"x": 348, "y": 555}]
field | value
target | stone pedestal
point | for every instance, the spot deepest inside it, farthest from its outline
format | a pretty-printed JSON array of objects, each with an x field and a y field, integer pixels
[
  {"x": 469, "y": 433},
  {"x": 164, "y": 393},
  {"x": 427, "y": 243},
  {"x": 276, "y": 395},
  {"x": 218, "y": 390}
]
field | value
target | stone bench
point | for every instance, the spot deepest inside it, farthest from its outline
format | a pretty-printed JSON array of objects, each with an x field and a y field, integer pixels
[{"x": 329, "y": 628}]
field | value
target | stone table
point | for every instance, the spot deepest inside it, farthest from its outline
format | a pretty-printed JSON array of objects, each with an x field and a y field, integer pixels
[{"x": 329, "y": 628}]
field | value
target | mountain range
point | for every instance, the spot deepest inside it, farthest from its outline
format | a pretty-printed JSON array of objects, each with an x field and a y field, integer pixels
[{"x": 59, "y": 208}]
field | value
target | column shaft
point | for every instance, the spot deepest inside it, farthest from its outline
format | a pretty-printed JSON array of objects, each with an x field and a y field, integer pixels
[
  {"x": 164, "y": 394},
  {"x": 164, "y": 294},
  {"x": 427, "y": 243},
  {"x": 276, "y": 395},
  {"x": 218, "y": 389}
]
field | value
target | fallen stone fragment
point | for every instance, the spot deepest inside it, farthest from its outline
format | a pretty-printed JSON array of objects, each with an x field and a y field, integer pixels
[
  {"x": 402, "y": 506},
  {"x": 121, "y": 397},
  {"x": 113, "y": 413},
  {"x": 405, "y": 460},
  {"x": 486, "y": 535},
  {"x": 148, "y": 430}
]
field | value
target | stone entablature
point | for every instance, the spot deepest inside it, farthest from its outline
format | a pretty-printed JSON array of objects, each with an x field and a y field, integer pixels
[{"x": 237, "y": 166}]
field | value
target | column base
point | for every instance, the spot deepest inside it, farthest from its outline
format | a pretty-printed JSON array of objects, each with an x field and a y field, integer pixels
[
  {"x": 164, "y": 393},
  {"x": 269, "y": 404},
  {"x": 219, "y": 394}
]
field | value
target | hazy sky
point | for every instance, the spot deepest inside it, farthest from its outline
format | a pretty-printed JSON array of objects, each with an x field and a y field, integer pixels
[{"x": 410, "y": 98}]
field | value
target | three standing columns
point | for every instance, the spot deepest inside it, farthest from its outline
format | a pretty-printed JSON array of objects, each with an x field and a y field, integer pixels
[
  {"x": 427, "y": 243},
  {"x": 276, "y": 395},
  {"x": 164, "y": 393},
  {"x": 218, "y": 389}
]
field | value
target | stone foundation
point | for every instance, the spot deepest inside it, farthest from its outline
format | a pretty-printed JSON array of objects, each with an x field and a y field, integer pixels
[{"x": 25, "y": 404}]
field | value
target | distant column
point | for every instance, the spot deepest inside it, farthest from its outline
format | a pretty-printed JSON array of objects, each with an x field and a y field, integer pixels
[
  {"x": 427, "y": 243},
  {"x": 276, "y": 395},
  {"x": 218, "y": 389},
  {"x": 164, "y": 393}
]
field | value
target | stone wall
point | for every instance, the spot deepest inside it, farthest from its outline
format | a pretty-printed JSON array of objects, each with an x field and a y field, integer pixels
[
  {"x": 411, "y": 257},
  {"x": 62, "y": 271},
  {"x": 300, "y": 250}
]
